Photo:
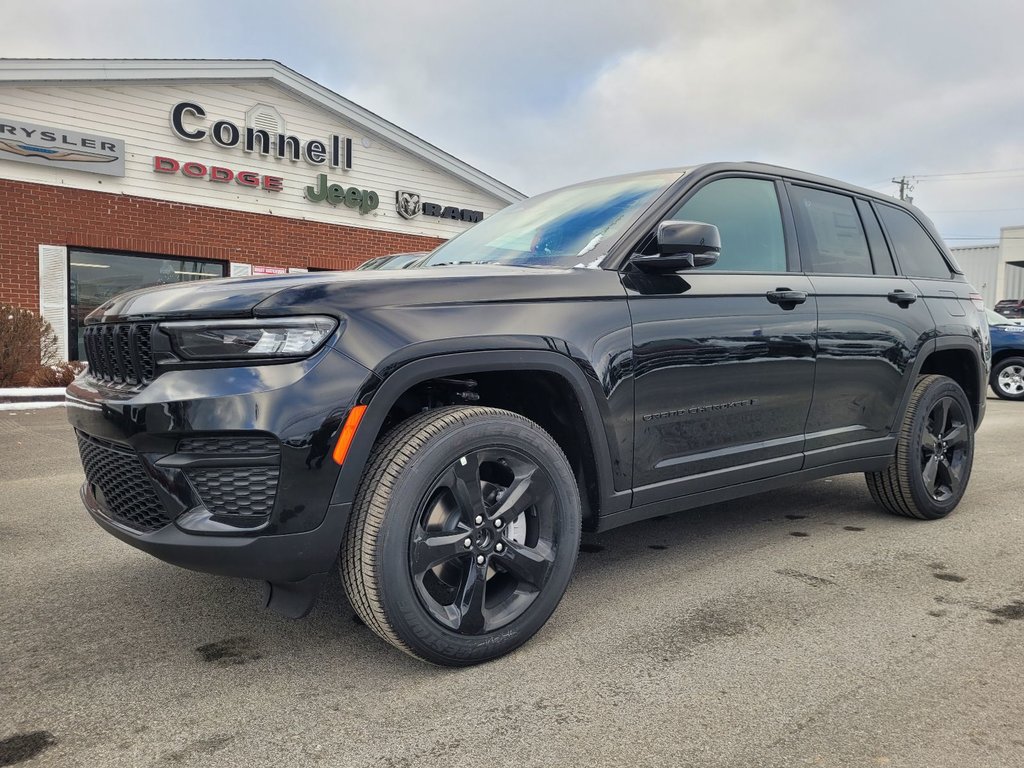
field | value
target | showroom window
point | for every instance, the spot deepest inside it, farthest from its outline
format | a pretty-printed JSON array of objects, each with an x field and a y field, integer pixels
[{"x": 96, "y": 276}]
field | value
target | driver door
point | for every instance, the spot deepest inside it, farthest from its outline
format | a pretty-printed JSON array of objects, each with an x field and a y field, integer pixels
[{"x": 724, "y": 367}]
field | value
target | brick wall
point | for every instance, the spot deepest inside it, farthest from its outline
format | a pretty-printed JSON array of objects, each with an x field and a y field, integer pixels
[{"x": 31, "y": 214}]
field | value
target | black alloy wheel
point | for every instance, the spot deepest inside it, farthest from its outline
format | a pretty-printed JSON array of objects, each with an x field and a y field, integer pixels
[
  {"x": 484, "y": 540},
  {"x": 931, "y": 467},
  {"x": 944, "y": 449},
  {"x": 463, "y": 535}
]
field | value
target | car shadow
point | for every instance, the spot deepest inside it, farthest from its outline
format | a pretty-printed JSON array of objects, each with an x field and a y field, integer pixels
[{"x": 166, "y": 615}]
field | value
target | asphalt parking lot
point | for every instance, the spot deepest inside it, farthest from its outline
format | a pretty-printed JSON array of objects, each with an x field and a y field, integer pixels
[{"x": 798, "y": 627}]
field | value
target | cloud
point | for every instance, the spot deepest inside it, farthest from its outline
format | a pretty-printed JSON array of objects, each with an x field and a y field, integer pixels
[{"x": 542, "y": 93}]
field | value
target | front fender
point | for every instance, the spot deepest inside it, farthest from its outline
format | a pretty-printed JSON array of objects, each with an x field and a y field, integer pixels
[{"x": 398, "y": 377}]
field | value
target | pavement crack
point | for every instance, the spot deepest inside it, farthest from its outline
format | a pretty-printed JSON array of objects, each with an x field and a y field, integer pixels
[{"x": 807, "y": 578}]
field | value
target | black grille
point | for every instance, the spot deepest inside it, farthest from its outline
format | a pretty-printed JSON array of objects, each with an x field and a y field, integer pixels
[
  {"x": 121, "y": 484},
  {"x": 120, "y": 353},
  {"x": 246, "y": 491},
  {"x": 233, "y": 445}
]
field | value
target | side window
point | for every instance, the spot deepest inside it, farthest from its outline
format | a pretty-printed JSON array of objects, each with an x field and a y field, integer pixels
[
  {"x": 746, "y": 212},
  {"x": 832, "y": 240},
  {"x": 917, "y": 254},
  {"x": 879, "y": 250}
]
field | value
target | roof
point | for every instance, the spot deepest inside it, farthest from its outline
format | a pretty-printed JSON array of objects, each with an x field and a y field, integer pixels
[
  {"x": 748, "y": 167},
  {"x": 91, "y": 71}
]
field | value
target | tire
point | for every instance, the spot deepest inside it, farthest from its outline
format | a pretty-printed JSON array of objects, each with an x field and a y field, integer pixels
[
  {"x": 934, "y": 453},
  {"x": 463, "y": 535},
  {"x": 1007, "y": 379}
]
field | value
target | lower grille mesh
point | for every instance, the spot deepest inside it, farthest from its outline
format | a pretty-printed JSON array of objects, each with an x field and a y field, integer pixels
[
  {"x": 123, "y": 486},
  {"x": 232, "y": 445},
  {"x": 245, "y": 491}
]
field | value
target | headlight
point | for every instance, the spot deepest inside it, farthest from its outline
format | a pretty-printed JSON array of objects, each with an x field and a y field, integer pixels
[{"x": 276, "y": 338}]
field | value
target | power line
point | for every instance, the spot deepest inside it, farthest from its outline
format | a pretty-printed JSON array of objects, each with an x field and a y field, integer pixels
[
  {"x": 933, "y": 179},
  {"x": 908, "y": 179},
  {"x": 981, "y": 237},
  {"x": 974, "y": 210},
  {"x": 965, "y": 173}
]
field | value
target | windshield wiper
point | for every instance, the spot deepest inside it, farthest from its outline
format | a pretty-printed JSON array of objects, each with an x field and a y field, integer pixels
[{"x": 456, "y": 263}]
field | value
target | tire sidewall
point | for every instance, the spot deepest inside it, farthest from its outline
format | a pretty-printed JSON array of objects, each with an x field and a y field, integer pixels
[
  {"x": 994, "y": 379},
  {"x": 923, "y": 500},
  {"x": 402, "y": 605}
]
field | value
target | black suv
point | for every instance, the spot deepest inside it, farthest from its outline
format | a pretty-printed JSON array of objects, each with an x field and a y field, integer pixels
[{"x": 593, "y": 356}]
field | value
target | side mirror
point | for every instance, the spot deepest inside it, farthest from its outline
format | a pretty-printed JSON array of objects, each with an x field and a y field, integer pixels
[{"x": 682, "y": 245}]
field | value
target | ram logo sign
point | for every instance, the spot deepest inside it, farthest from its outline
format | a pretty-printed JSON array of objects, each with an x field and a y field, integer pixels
[{"x": 410, "y": 204}]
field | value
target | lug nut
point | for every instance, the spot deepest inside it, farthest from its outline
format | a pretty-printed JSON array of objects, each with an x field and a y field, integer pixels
[
  {"x": 498, "y": 523},
  {"x": 467, "y": 543},
  {"x": 479, "y": 519},
  {"x": 480, "y": 559},
  {"x": 499, "y": 547}
]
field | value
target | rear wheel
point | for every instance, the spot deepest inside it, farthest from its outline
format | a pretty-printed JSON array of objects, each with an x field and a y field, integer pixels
[
  {"x": 1007, "y": 379},
  {"x": 463, "y": 535},
  {"x": 932, "y": 466}
]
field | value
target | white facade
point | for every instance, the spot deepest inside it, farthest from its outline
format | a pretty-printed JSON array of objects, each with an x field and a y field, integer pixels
[{"x": 132, "y": 101}]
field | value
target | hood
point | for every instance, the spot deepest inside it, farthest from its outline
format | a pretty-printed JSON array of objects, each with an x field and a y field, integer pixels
[{"x": 333, "y": 292}]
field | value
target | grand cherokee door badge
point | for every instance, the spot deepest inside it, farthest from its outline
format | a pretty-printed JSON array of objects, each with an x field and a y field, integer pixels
[{"x": 696, "y": 409}]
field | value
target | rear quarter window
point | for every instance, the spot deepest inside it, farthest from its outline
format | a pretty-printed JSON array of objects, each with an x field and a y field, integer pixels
[{"x": 916, "y": 252}]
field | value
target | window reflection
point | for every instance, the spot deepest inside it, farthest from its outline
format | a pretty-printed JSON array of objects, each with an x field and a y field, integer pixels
[{"x": 95, "y": 277}]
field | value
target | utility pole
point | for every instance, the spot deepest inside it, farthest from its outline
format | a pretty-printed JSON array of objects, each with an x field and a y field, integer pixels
[{"x": 905, "y": 188}]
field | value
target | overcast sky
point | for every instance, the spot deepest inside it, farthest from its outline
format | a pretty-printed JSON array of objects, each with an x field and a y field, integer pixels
[{"x": 541, "y": 93}]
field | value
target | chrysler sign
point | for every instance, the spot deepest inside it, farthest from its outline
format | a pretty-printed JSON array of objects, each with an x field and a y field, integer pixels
[{"x": 60, "y": 148}]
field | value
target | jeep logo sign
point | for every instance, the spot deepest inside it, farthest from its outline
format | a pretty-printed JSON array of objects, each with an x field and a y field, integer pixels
[
  {"x": 365, "y": 200},
  {"x": 408, "y": 205}
]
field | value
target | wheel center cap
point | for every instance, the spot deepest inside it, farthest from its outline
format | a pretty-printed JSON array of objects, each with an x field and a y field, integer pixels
[{"x": 484, "y": 538}]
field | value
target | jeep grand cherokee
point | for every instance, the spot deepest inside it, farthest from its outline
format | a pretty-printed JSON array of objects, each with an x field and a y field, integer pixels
[{"x": 592, "y": 356}]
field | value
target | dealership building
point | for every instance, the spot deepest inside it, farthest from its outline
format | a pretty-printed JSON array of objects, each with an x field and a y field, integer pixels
[{"x": 119, "y": 174}]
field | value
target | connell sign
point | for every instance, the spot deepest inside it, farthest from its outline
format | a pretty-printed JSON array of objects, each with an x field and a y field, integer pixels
[{"x": 332, "y": 152}]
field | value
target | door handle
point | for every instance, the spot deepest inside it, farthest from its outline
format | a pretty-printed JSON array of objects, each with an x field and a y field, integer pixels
[
  {"x": 786, "y": 298},
  {"x": 902, "y": 298}
]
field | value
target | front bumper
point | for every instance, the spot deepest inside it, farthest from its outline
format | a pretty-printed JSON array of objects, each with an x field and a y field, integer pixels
[
  {"x": 275, "y": 558},
  {"x": 224, "y": 470}
]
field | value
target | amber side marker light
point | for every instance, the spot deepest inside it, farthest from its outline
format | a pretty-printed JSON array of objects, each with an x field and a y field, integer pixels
[{"x": 347, "y": 433}]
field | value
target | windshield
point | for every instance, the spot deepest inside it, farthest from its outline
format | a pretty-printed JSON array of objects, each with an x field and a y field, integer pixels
[
  {"x": 995, "y": 318},
  {"x": 564, "y": 228}
]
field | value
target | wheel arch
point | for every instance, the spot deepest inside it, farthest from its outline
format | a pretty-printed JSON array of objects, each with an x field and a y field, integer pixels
[
  {"x": 958, "y": 359},
  {"x": 1002, "y": 354},
  {"x": 591, "y": 458}
]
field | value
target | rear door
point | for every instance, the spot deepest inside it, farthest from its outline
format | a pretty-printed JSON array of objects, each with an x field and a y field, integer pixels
[
  {"x": 923, "y": 261},
  {"x": 724, "y": 362},
  {"x": 872, "y": 325}
]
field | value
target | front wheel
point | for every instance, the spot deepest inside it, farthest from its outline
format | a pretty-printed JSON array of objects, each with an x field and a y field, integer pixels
[
  {"x": 463, "y": 535},
  {"x": 1007, "y": 379},
  {"x": 934, "y": 454}
]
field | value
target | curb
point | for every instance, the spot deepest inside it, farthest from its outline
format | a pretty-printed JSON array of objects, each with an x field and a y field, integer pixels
[{"x": 23, "y": 398}]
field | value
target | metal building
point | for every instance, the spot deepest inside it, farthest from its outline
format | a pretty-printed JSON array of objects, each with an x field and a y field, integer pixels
[{"x": 996, "y": 271}]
